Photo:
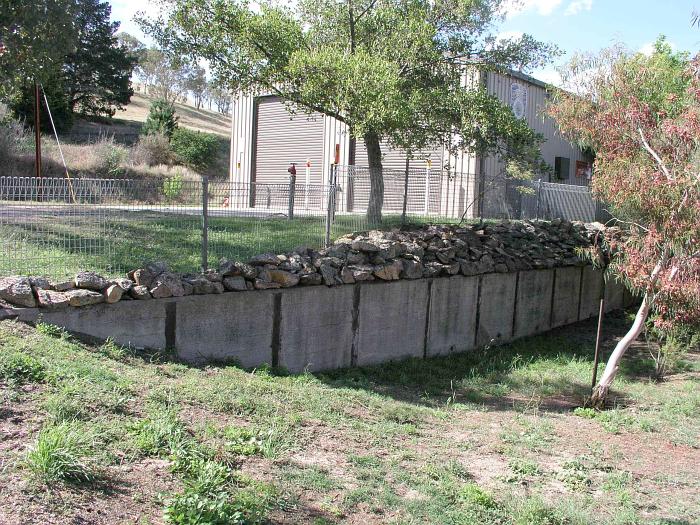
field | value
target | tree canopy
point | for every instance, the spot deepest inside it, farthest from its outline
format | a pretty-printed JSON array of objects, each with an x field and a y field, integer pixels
[
  {"x": 70, "y": 47},
  {"x": 641, "y": 116},
  {"x": 392, "y": 70}
]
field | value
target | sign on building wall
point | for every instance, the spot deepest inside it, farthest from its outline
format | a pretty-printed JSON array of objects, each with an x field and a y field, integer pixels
[
  {"x": 584, "y": 169},
  {"x": 518, "y": 99}
]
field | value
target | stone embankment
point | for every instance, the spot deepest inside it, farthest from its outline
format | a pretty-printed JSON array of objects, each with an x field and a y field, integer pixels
[{"x": 431, "y": 251}]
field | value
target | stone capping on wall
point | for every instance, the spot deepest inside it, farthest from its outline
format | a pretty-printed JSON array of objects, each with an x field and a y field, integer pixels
[{"x": 321, "y": 328}]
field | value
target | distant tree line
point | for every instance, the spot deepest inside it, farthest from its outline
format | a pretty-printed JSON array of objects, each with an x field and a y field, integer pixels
[{"x": 173, "y": 78}]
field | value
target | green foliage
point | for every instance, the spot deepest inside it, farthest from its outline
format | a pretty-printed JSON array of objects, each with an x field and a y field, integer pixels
[
  {"x": 194, "y": 148},
  {"x": 51, "y": 330},
  {"x": 55, "y": 90},
  {"x": 42, "y": 34},
  {"x": 161, "y": 119},
  {"x": 172, "y": 187},
  {"x": 163, "y": 434},
  {"x": 60, "y": 454},
  {"x": 19, "y": 368},
  {"x": 392, "y": 71},
  {"x": 471, "y": 494},
  {"x": 97, "y": 72}
]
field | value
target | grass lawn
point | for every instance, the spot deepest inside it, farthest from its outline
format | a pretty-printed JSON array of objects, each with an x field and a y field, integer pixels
[
  {"x": 99, "y": 434},
  {"x": 58, "y": 244}
]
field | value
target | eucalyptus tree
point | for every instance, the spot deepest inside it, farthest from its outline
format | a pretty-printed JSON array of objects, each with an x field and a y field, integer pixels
[{"x": 392, "y": 70}]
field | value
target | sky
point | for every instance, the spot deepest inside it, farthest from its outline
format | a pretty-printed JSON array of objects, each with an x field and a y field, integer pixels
[{"x": 573, "y": 25}]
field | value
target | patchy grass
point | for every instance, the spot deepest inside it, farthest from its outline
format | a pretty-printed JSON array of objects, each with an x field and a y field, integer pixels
[
  {"x": 57, "y": 243},
  {"x": 101, "y": 434}
]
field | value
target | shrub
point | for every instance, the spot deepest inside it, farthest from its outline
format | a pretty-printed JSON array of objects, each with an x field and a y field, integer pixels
[
  {"x": 59, "y": 454},
  {"x": 109, "y": 157},
  {"x": 172, "y": 187},
  {"x": 161, "y": 119},
  {"x": 194, "y": 148},
  {"x": 151, "y": 150},
  {"x": 19, "y": 368},
  {"x": 161, "y": 435}
]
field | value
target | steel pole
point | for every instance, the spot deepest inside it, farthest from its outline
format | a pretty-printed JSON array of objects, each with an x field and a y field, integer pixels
[
  {"x": 37, "y": 135},
  {"x": 205, "y": 223}
]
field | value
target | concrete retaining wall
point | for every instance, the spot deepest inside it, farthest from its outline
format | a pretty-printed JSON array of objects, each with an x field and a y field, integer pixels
[{"x": 320, "y": 328}]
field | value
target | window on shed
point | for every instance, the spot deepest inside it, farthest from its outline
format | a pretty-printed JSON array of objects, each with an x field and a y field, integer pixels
[{"x": 561, "y": 168}]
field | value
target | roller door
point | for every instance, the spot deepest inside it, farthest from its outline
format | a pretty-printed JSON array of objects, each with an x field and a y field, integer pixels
[{"x": 281, "y": 139}]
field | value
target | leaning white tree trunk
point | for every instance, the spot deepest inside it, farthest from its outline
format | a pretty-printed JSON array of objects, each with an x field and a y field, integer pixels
[{"x": 600, "y": 392}]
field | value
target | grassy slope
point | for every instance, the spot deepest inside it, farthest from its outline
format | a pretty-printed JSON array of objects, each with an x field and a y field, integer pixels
[
  {"x": 130, "y": 119},
  {"x": 478, "y": 438}
]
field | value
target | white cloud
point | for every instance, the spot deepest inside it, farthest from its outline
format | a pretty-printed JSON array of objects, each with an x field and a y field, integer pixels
[
  {"x": 550, "y": 76},
  {"x": 578, "y": 6},
  {"x": 648, "y": 48},
  {"x": 124, "y": 11},
  {"x": 543, "y": 7}
]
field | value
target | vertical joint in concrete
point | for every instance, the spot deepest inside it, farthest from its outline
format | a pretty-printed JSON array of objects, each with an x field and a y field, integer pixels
[
  {"x": 276, "y": 323},
  {"x": 478, "y": 312},
  {"x": 355, "y": 324},
  {"x": 515, "y": 304},
  {"x": 551, "y": 303},
  {"x": 170, "y": 325},
  {"x": 427, "y": 319}
]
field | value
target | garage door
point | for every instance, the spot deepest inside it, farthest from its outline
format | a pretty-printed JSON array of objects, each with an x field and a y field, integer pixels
[{"x": 281, "y": 139}]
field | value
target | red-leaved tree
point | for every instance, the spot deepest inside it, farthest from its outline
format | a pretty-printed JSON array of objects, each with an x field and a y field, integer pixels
[{"x": 641, "y": 116}]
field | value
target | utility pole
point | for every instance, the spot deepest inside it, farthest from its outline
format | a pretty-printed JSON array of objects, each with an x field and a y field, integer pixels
[{"x": 37, "y": 129}]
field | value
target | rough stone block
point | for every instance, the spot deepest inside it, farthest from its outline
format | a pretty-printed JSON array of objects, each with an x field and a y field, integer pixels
[
  {"x": 391, "y": 321},
  {"x": 497, "y": 299},
  {"x": 567, "y": 288},
  {"x": 316, "y": 328},
  {"x": 533, "y": 306},
  {"x": 452, "y": 324}
]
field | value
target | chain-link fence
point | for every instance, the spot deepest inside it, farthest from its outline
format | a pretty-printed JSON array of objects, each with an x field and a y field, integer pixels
[{"x": 57, "y": 226}]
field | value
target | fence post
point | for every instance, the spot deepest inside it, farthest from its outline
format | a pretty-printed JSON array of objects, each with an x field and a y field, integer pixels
[
  {"x": 205, "y": 222},
  {"x": 539, "y": 193},
  {"x": 405, "y": 193},
  {"x": 292, "y": 188},
  {"x": 330, "y": 209},
  {"x": 426, "y": 204}
]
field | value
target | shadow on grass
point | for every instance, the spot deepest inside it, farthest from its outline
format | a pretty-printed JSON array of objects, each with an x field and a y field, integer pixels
[{"x": 551, "y": 371}]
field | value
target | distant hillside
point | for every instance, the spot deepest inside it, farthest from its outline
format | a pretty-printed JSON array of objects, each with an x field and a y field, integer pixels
[{"x": 126, "y": 124}]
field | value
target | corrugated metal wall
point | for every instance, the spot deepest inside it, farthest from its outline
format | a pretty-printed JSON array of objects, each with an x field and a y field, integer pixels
[{"x": 502, "y": 197}]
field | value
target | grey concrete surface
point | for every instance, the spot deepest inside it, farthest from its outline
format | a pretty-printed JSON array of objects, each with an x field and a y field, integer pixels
[
  {"x": 452, "y": 320},
  {"x": 233, "y": 326},
  {"x": 614, "y": 294},
  {"x": 392, "y": 321},
  {"x": 316, "y": 328},
  {"x": 139, "y": 324},
  {"x": 496, "y": 308},
  {"x": 590, "y": 292},
  {"x": 534, "y": 302},
  {"x": 321, "y": 328},
  {"x": 567, "y": 287}
]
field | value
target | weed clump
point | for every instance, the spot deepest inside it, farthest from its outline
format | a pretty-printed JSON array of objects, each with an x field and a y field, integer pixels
[{"x": 61, "y": 453}]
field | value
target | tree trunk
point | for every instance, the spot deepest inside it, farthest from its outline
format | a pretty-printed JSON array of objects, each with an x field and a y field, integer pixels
[
  {"x": 600, "y": 392},
  {"x": 376, "y": 179}
]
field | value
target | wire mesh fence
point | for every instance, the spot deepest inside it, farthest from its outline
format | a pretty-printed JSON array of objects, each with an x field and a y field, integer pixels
[{"x": 57, "y": 226}]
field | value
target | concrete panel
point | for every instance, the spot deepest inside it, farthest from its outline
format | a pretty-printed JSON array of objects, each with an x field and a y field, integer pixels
[
  {"x": 391, "y": 321},
  {"x": 614, "y": 294},
  {"x": 567, "y": 287},
  {"x": 139, "y": 324},
  {"x": 533, "y": 305},
  {"x": 496, "y": 303},
  {"x": 230, "y": 326},
  {"x": 316, "y": 328},
  {"x": 452, "y": 325},
  {"x": 591, "y": 289}
]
